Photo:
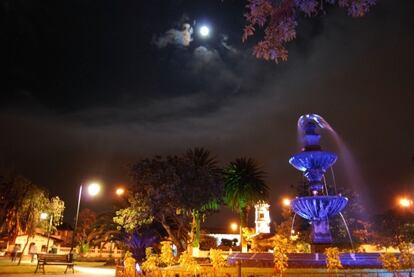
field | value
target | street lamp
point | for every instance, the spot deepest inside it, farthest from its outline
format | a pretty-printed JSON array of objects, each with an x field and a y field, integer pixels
[
  {"x": 405, "y": 202},
  {"x": 44, "y": 216},
  {"x": 234, "y": 227},
  {"x": 93, "y": 190},
  {"x": 120, "y": 191},
  {"x": 286, "y": 202}
]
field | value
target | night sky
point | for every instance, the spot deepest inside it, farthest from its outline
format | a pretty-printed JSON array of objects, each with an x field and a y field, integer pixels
[{"x": 89, "y": 87}]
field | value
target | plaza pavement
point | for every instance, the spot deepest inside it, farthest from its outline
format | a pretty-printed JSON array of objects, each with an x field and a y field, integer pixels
[{"x": 81, "y": 271}]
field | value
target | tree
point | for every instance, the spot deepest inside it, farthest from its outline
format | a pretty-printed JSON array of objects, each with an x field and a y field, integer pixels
[
  {"x": 243, "y": 188},
  {"x": 173, "y": 191},
  {"x": 104, "y": 231},
  {"x": 84, "y": 234},
  {"x": 202, "y": 174},
  {"x": 393, "y": 227},
  {"x": 14, "y": 192},
  {"x": 157, "y": 196},
  {"x": 22, "y": 204},
  {"x": 279, "y": 20},
  {"x": 355, "y": 216}
]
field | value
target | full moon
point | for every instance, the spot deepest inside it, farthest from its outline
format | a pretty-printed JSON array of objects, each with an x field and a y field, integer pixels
[{"x": 204, "y": 31}]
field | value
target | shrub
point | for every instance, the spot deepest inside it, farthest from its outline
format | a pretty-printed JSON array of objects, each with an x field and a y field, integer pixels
[
  {"x": 280, "y": 250},
  {"x": 390, "y": 262},
  {"x": 333, "y": 262},
  {"x": 151, "y": 262},
  {"x": 167, "y": 257},
  {"x": 217, "y": 259},
  {"x": 188, "y": 263}
]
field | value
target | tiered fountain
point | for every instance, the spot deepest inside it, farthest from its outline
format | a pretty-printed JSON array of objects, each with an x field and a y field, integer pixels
[
  {"x": 317, "y": 207},
  {"x": 313, "y": 162}
]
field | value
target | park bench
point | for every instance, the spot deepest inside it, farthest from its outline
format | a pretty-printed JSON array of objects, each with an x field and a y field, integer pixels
[{"x": 53, "y": 259}]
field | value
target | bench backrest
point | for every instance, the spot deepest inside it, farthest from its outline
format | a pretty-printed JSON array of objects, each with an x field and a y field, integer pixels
[{"x": 52, "y": 258}]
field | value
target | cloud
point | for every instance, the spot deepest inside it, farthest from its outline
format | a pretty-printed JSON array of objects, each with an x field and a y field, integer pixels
[
  {"x": 181, "y": 37},
  {"x": 225, "y": 44}
]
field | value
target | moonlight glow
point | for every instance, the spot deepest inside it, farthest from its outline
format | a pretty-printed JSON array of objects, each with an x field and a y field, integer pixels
[{"x": 204, "y": 31}]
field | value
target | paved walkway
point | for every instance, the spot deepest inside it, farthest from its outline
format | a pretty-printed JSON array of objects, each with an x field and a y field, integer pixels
[{"x": 81, "y": 271}]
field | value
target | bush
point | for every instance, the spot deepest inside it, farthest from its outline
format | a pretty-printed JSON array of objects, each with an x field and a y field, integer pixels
[{"x": 207, "y": 242}]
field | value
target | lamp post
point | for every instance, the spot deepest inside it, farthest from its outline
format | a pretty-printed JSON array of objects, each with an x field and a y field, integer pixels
[
  {"x": 93, "y": 189},
  {"x": 49, "y": 228}
]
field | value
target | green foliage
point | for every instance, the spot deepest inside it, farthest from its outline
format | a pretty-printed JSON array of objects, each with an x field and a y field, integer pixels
[
  {"x": 129, "y": 263},
  {"x": 83, "y": 247},
  {"x": 175, "y": 191},
  {"x": 394, "y": 227},
  {"x": 22, "y": 203},
  {"x": 167, "y": 257},
  {"x": 85, "y": 228},
  {"x": 390, "y": 262},
  {"x": 333, "y": 262},
  {"x": 243, "y": 184},
  {"x": 188, "y": 263},
  {"x": 137, "y": 214},
  {"x": 151, "y": 261},
  {"x": 282, "y": 247},
  {"x": 243, "y": 188},
  {"x": 217, "y": 259},
  {"x": 406, "y": 256}
]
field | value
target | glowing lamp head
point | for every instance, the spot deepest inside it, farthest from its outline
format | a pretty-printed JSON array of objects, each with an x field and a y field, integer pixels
[
  {"x": 120, "y": 191},
  {"x": 286, "y": 202},
  {"x": 405, "y": 202},
  {"x": 204, "y": 31},
  {"x": 43, "y": 216},
  {"x": 234, "y": 226},
  {"x": 94, "y": 189}
]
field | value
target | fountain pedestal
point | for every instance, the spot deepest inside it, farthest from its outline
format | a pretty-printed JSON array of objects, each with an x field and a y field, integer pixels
[{"x": 321, "y": 235}]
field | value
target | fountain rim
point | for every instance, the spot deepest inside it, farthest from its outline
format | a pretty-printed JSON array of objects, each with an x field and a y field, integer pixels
[{"x": 320, "y": 197}]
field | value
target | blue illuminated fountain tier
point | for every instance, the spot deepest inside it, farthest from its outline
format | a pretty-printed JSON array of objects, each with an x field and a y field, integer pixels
[{"x": 313, "y": 162}]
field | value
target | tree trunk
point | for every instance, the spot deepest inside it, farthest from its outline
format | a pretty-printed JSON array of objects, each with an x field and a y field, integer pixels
[
  {"x": 243, "y": 222},
  {"x": 24, "y": 248},
  {"x": 180, "y": 248},
  {"x": 196, "y": 229}
]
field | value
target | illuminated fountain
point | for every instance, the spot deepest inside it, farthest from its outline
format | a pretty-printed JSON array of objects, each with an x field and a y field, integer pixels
[
  {"x": 313, "y": 162},
  {"x": 317, "y": 207}
]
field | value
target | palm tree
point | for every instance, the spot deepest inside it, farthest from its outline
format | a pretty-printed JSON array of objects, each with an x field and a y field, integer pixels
[
  {"x": 205, "y": 178},
  {"x": 243, "y": 188}
]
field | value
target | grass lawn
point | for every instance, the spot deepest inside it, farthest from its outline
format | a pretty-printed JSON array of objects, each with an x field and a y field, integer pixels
[{"x": 6, "y": 266}]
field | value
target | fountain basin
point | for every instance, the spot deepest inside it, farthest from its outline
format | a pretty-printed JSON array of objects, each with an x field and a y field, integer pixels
[
  {"x": 316, "y": 208},
  {"x": 315, "y": 160}
]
